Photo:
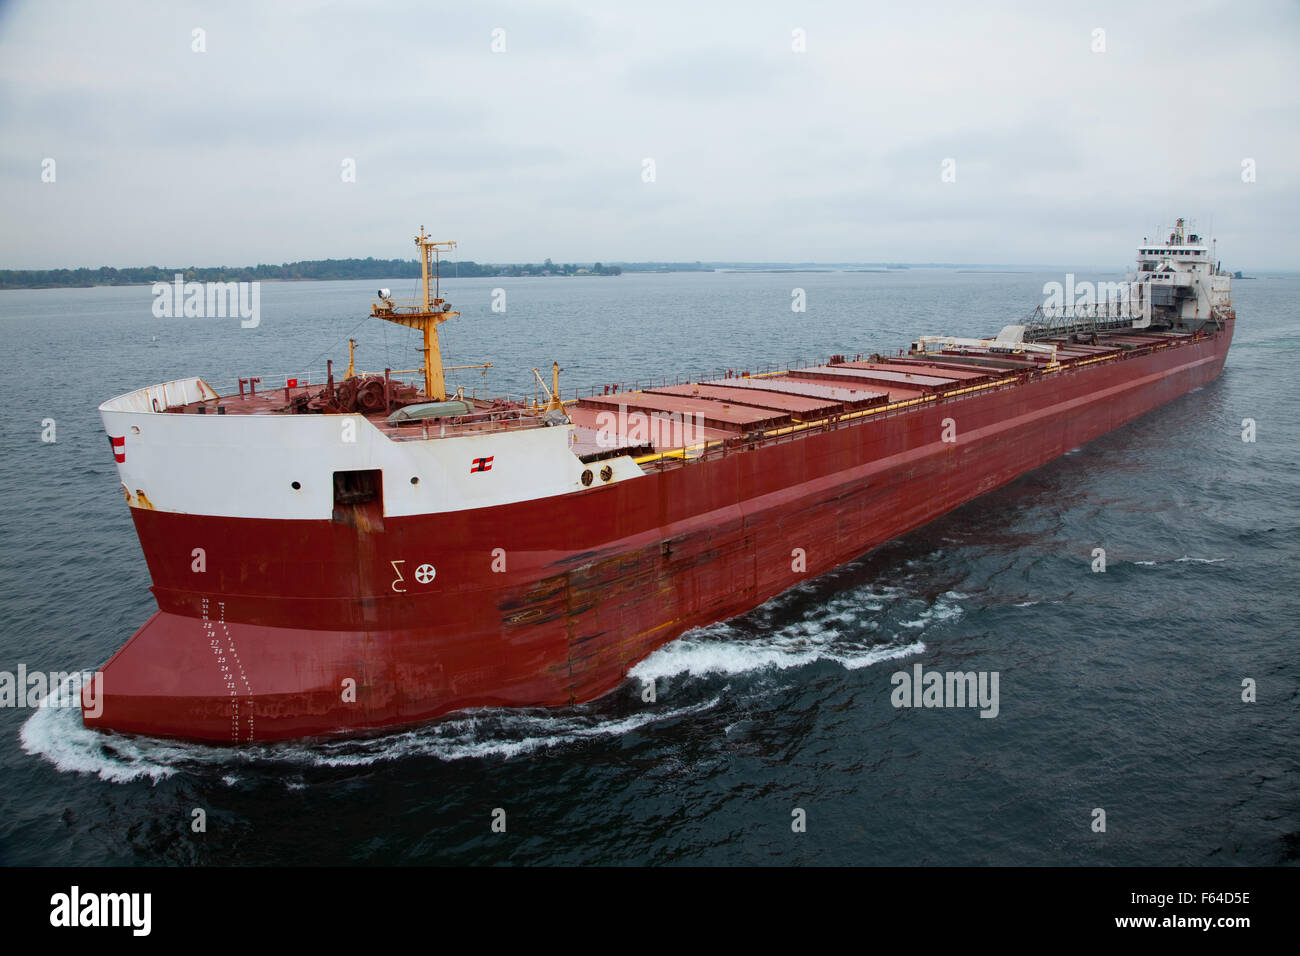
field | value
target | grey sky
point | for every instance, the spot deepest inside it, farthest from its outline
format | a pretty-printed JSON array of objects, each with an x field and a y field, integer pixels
[{"x": 233, "y": 156}]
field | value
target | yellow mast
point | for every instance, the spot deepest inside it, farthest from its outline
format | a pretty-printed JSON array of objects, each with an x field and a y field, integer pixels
[
  {"x": 425, "y": 315},
  {"x": 555, "y": 403}
]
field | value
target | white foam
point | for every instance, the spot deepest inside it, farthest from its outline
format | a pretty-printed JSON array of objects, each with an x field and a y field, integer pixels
[
  {"x": 837, "y": 632},
  {"x": 939, "y": 612},
  {"x": 701, "y": 652},
  {"x": 58, "y": 736},
  {"x": 1185, "y": 559},
  {"x": 942, "y": 612},
  {"x": 508, "y": 734}
]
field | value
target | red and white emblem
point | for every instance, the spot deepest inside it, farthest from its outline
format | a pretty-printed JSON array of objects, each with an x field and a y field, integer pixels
[
  {"x": 482, "y": 464},
  {"x": 119, "y": 448}
]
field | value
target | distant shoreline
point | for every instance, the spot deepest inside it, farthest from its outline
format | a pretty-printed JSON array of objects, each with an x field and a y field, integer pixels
[
  {"x": 316, "y": 270},
  {"x": 336, "y": 270},
  {"x": 333, "y": 270}
]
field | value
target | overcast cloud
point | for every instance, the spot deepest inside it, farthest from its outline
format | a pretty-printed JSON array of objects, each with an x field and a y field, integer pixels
[{"x": 1063, "y": 156}]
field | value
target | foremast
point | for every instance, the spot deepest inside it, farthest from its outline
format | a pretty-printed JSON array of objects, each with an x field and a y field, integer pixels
[{"x": 425, "y": 314}]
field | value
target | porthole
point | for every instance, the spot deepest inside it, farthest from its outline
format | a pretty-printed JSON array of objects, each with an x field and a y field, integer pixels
[
  {"x": 606, "y": 473},
  {"x": 586, "y": 478},
  {"x": 296, "y": 486},
  {"x": 415, "y": 480}
]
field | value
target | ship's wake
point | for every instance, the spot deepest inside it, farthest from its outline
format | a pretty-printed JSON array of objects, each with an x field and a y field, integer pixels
[
  {"x": 853, "y": 629},
  {"x": 58, "y": 736},
  {"x": 726, "y": 649}
]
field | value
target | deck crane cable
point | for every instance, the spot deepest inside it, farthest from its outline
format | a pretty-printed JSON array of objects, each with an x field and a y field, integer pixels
[{"x": 330, "y": 348}]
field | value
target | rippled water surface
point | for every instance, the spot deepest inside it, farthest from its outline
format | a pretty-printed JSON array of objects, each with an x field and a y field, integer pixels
[{"x": 1119, "y": 691}]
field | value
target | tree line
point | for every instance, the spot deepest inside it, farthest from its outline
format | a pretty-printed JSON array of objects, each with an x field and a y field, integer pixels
[{"x": 316, "y": 269}]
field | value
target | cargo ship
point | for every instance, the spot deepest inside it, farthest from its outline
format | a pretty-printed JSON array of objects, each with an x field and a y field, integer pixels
[{"x": 368, "y": 552}]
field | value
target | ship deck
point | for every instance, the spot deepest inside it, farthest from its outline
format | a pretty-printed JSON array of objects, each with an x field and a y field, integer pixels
[{"x": 670, "y": 422}]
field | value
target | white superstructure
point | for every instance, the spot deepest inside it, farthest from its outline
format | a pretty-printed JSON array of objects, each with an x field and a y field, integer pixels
[{"x": 1184, "y": 283}]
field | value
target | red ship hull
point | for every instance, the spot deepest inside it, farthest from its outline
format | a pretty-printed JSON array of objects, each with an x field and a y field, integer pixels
[{"x": 308, "y": 627}]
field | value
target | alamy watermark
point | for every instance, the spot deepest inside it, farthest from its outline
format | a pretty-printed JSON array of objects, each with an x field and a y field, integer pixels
[
  {"x": 661, "y": 429},
  {"x": 76, "y": 908},
  {"x": 25, "y": 688},
  {"x": 207, "y": 300},
  {"x": 1097, "y": 300},
  {"x": 919, "y": 688}
]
